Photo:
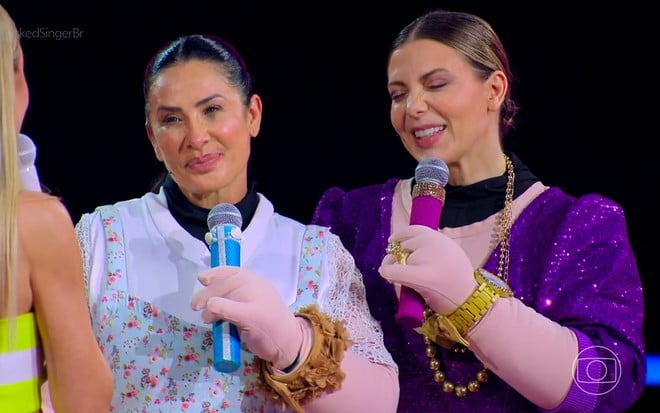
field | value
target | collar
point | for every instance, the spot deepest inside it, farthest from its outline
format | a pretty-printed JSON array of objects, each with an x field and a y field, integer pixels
[
  {"x": 193, "y": 218},
  {"x": 468, "y": 204}
]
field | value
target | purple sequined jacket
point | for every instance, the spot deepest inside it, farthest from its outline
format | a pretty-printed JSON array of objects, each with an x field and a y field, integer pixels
[{"x": 570, "y": 259}]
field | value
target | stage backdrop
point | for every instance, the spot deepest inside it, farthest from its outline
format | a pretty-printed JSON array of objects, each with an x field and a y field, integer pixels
[{"x": 586, "y": 82}]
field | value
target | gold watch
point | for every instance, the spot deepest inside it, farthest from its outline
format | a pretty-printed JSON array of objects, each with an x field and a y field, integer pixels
[{"x": 491, "y": 287}]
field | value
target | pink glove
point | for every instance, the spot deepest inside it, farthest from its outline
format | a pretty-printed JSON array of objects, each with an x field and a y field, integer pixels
[
  {"x": 516, "y": 342},
  {"x": 46, "y": 401},
  {"x": 266, "y": 325},
  {"x": 437, "y": 268}
]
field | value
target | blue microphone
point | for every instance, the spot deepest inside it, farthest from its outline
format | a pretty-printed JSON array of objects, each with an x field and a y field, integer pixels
[{"x": 224, "y": 221}]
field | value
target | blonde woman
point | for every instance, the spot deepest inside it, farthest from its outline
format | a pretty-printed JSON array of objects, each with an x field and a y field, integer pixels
[{"x": 44, "y": 319}]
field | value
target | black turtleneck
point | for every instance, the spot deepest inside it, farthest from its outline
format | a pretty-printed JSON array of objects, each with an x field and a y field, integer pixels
[
  {"x": 468, "y": 204},
  {"x": 193, "y": 218}
]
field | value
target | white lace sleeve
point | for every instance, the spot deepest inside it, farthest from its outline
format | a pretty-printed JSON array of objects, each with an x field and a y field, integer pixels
[
  {"x": 83, "y": 235},
  {"x": 346, "y": 300}
]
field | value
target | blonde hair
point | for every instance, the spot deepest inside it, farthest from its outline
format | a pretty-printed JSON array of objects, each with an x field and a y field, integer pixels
[{"x": 9, "y": 181}]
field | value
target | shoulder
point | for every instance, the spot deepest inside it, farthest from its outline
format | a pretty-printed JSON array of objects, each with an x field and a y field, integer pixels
[
  {"x": 598, "y": 201},
  {"x": 129, "y": 206},
  {"x": 367, "y": 191},
  {"x": 42, "y": 212},
  {"x": 33, "y": 199},
  {"x": 46, "y": 229},
  {"x": 319, "y": 231},
  {"x": 307, "y": 233},
  {"x": 590, "y": 212},
  {"x": 337, "y": 201},
  {"x": 282, "y": 221},
  {"x": 590, "y": 202}
]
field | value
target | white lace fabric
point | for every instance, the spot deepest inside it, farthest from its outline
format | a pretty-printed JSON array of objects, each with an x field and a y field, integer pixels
[{"x": 346, "y": 300}]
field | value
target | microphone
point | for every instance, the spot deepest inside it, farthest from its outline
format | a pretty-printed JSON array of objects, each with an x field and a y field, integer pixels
[
  {"x": 428, "y": 197},
  {"x": 27, "y": 153},
  {"x": 224, "y": 222}
]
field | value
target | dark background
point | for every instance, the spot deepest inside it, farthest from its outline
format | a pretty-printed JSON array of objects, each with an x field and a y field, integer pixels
[{"x": 587, "y": 84}]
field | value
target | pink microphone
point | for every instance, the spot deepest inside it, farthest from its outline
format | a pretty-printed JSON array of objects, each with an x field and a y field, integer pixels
[{"x": 428, "y": 197}]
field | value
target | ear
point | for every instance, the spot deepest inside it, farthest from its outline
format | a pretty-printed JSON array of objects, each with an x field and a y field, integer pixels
[
  {"x": 498, "y": 86},
  {"x": 150, "y": 135},
  {"x": 254, "y": 115}
]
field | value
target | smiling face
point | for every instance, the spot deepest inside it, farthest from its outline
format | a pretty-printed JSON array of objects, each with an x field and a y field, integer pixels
[
  {"x": 441, "y": 107},
  {"x": 201, "y": 130}
]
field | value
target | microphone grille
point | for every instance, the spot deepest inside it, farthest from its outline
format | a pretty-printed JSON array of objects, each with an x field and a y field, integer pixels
[
  {"x": 223, "y": 214},
  {"x": 27, "y": 151},
  {"x": 432, "y": 170}
]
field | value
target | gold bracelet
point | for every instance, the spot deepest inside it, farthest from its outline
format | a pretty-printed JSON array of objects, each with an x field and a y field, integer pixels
[
  {"x": 439, "y": 328},
  {"x": 490, "y": 288},
  {"x": 320, "y": 373},
  {"x": 452, "y": 328}
]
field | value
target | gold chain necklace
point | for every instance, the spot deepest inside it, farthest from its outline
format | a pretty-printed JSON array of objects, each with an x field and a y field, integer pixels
[{"x": 506, "y": 220}]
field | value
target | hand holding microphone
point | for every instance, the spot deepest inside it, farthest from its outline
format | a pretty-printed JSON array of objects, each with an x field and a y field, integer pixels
[
  {"x": 437, "y": 270},
  {"x": 224, "y": 223},
  {"x": 266, "y": 325},
  {"x": 431, "y": 176},
  {"x": 242, "y": 305}
]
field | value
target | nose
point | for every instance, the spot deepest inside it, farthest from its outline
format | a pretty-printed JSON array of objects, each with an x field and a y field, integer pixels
[
  {"x": 197, "y": 133},
  {"x": 415, "y": 103}
]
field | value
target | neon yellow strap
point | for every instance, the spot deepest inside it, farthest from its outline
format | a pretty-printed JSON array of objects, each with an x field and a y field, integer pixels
[
  {"x": 26, "y": 333},
  {"x": 20, "y": 397}
]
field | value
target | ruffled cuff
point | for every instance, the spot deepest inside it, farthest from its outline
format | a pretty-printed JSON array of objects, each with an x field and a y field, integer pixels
[{"x": 321, "y": 372}]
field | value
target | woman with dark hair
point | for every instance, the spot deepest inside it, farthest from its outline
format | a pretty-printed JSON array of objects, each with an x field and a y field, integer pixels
[{"x": 297, "y": 299}]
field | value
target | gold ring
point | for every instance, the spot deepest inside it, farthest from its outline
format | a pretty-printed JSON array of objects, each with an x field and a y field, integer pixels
[{"x": 394, "y": 248}]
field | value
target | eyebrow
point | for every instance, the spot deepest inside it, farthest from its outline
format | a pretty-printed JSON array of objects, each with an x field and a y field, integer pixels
[
  {"x": 198, "y": 104},
  {"x": 422, "y": 77}
]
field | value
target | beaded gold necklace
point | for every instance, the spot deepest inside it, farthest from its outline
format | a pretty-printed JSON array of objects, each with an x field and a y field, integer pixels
[{"x": 506, "y": 220}]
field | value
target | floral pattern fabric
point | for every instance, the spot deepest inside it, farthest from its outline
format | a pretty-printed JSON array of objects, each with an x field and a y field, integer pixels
[{"x": 164, "y": 364}]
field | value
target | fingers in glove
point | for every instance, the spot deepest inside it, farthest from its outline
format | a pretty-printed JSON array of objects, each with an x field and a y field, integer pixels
[
  {"x": 219, "y": 282},
  {"x": 409, "y": 232},
  {"x": 217, "y": 273},
  {"x": 388, "y": 260},
  {"x": 391, "y": 270},
  {"x": 219, "y": 308},
  {"x": 414, "y": 237}
]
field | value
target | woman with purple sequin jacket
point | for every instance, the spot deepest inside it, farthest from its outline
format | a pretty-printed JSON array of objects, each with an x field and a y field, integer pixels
[{"x": 568, "y": 338}]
